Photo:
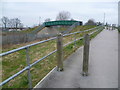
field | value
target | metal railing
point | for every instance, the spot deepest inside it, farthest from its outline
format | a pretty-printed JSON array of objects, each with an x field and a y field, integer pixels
[
  {"x": 38, "y": 29},
  {"x": 28, "y": 57}
]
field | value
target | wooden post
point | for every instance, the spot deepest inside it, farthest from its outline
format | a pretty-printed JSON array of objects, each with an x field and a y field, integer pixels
[
  {"x": 28, "y": 64},
  {"x": 60, "y": 52},
  {"x": 75, "y": 46},
  {"x": 86, "y": 55}
]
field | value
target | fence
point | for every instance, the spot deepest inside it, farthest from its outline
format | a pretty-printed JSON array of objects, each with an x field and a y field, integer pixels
[
  {"x": 59, "y": 53},
  {"x": 16, "y": 38},
  {"x": 19, "y": 37}
]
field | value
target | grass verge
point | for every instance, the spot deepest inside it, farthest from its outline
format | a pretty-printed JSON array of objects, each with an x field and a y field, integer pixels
[{"x": 17, "y": 61}]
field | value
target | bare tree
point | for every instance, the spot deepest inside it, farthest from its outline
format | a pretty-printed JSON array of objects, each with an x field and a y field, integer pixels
[
  {"x": 21, "y": 26},
  {"x": 17, "y": 23},
  {"x": 12, "y": 23},
  {"x": 72, "y": 19},
  {"x": 64, "y": 15},
  {"x": 91, "y": 22},
  {"x": 5, "y": 22},
  {"x": 47, "y": 19}
]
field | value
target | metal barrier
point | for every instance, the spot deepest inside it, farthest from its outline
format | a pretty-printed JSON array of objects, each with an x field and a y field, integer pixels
[{"x": 28, "y": 58}]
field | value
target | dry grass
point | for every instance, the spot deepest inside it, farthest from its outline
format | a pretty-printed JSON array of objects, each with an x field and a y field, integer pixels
[{"x": 16, "y": 61}]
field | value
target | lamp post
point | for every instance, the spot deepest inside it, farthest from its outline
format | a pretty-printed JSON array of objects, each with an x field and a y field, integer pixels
[{"x": 119, "y": 14}]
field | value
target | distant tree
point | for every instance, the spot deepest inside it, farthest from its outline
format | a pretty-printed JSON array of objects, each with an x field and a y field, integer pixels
[
  {"x": 21, "y": 26},
  {"x": 90, "y": 22},
  {"x": 119, "y": 29},
  {"x": 47, "y": 19},
  {"x": 63, "y": 15},
  {"x": 17, "y": 23},
  {"x": 98, "y": 23},
  {"x": 72, "y": 19},
  {"x": 106, "y": 24},
  {"x": 5, "y": 22},
  {"x": 12, "y": 23}
]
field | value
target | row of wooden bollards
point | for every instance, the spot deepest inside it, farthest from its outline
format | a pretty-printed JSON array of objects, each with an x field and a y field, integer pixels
[
  {"x": 110, "y": 28},
  {"x": 85, "y": 54}
]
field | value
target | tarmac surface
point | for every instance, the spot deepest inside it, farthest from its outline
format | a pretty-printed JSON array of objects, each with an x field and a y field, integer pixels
[{"x": 103, "y": 66}]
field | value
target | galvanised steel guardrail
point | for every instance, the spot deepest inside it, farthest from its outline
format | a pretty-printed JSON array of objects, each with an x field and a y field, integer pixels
[
  {"x": 28, "y": 58},
  {"x": 82, "y": 31},
  {"x": 38, "y": 29}
]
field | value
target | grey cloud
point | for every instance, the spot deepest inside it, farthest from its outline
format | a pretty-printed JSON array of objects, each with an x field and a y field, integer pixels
[{"x": 29, "y": 12}]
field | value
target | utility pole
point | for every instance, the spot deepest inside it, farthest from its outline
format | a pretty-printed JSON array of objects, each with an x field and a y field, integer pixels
[
  {"x": 39, "y": 20},
  {"x": 104, "y": 19},
  {"x": 119, "y": 14}
]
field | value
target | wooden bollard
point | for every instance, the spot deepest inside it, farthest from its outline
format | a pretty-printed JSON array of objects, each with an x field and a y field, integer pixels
[
  {"x": 86, "y": 55},
  {"x": 75, "y": 41},
  {"x": 60, "y": 52}
]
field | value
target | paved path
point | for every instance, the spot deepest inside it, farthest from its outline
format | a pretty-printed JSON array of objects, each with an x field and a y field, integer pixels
[{"x": 103, "y": 67}]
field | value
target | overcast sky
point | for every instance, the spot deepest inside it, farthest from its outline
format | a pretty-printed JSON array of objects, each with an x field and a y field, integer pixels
[{"x": 29, "y": 11}]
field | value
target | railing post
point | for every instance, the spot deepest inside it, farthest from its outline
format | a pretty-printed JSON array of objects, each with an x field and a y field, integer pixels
[
  {"x": 75, "y": 40},
  {"x": 28, "y": 64},
  {"x": 60, "y": 52},
  {"x": 86, "y": 55}
]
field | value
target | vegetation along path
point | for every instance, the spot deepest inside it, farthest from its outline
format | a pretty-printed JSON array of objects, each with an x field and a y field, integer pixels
[{"x": 103, "y": 66}]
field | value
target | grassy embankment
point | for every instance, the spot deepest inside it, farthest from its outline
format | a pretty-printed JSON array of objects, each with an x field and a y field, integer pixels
[
  {"x": 12, "y": 63},
  {"x": 30, "y": 30}
]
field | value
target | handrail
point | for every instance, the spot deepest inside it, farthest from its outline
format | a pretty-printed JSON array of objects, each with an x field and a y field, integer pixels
[
  {"x": 71, "y": 28},
  {"x": 80, "y": 31},
  {"x": 27, "y": 46},
  {"x": 18, "y": 49},
  {"x": 38, "y": 29},
  {"x": 24, "y": 47},
  {"x": 26, "y": 68}
]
